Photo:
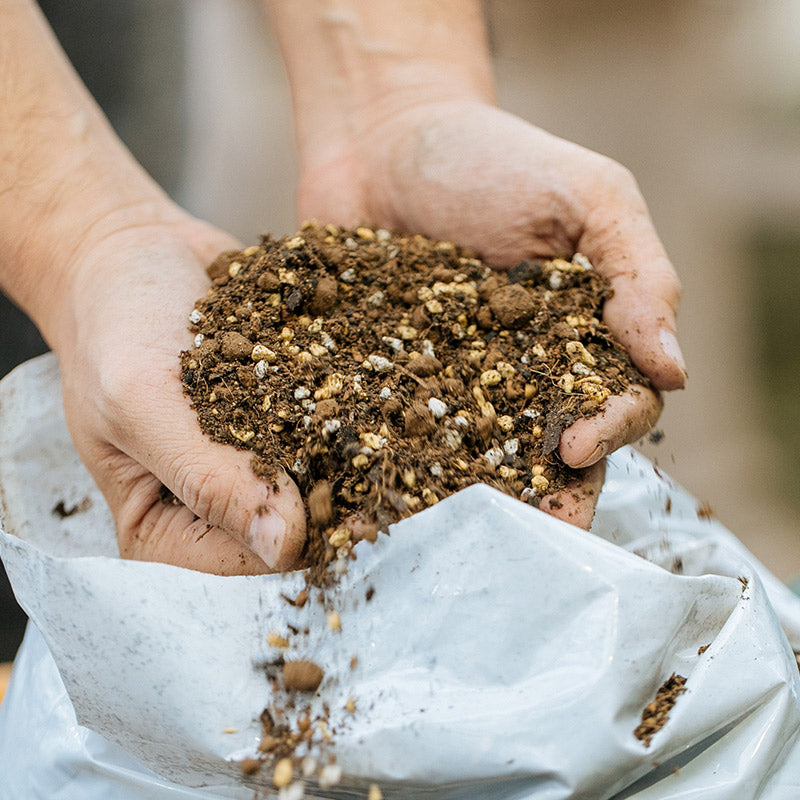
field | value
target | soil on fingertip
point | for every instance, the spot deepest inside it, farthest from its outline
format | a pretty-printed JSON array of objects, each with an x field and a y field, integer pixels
[{"x": 384, "y": 372}]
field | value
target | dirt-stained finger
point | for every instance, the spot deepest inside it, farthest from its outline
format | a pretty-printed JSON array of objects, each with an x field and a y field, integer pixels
[
  {"x": 623, "y": 419},
  {"x": 576, "y": 503}
]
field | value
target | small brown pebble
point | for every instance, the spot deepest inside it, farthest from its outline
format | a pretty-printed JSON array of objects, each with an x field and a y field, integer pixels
[
  {"x": 419, "y": 318},
  {"x": 250, "y": 766},
  {"x": 488, "y": 287},
  {"x": 268, "y": 281},
  {"x": 325, "y": 295},
  {"x": 368, "y": 531},
  {"x": 246, "y": 377},
  {"x": 320, "y": 507},
  {"x": 453, "y": 386},
  {"x": 302, "y": 676},
  {"x": 485, "y": 426},
  {"x": 419, "y": 420},
  {"x": 513, "y": 305},
  {"x": 424, "y": 366},
  {"x": 563, "y": 331},
  {"x": 484, "y": 317},
  {"x": 218, "y": 268},
  {"x": 234, "y": 346},
  {"x": 326, "y": 409}
]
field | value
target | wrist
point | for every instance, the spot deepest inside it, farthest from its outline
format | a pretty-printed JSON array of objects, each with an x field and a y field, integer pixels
[
  {"x": 64, "y": 175},
  {"x": 55, "y": 251},
  {"x": 355, "y": 63}
]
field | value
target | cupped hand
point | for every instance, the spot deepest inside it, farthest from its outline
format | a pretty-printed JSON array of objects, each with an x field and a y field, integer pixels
[
  {"x": 135, "y": 430},
  {"x": 468, "y": 172}
]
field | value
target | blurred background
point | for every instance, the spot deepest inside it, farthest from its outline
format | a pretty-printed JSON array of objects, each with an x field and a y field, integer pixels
[{"x": 700, "y": 99}]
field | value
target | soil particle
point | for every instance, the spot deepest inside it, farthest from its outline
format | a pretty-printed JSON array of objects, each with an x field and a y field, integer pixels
[
  {"x": 513, "y": 305},
  {"x": 320, "y": 508},
  {"x": 385, "y": 373},
  {"x": 302, "y": 676},
  {"x": 62, "y": 510},
  {"x": 419, "y": 420},
  {"x": 235, "y": 347},
  {"x": 250, "y": 766},
  {"x": 656, "y": 714}
]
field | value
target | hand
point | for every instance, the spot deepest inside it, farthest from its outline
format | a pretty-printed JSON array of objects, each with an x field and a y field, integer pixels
[
  {"x": 468, "y": 172},
  {"x": 134, "y": 429}
]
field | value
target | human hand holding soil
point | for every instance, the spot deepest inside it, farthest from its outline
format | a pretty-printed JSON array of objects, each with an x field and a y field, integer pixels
[
  {"x": 408, "y": 138},
  {"x": 401, "y": 133},
  {"x": 108, "y": 268},
  {"x": 176, "y": 497}
]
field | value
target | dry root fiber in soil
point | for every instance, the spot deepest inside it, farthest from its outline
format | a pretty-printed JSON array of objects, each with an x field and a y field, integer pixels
[{"x": 384, "y": 372}]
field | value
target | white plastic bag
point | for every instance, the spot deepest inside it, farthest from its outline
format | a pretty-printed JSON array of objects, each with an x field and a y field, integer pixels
[{"x": 502, "y": 654}]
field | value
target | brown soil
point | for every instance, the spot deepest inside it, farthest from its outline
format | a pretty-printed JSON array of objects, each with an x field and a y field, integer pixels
[
  {"x": 385, "y": 372},
  {"x": 302, "y": 676},
  {"x": 656, "y": 714}
]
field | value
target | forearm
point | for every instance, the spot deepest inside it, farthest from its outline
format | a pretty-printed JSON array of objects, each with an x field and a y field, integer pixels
[
  {"x": 352, "y": 62},
  {"x": 65, "y": 178}
]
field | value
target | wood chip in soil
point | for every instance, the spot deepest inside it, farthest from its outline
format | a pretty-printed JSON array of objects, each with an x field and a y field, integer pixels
[{"x": 384, "y": 372}]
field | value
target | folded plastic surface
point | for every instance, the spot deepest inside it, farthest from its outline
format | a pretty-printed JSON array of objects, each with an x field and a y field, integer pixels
[{"x": 500, "y": 653}]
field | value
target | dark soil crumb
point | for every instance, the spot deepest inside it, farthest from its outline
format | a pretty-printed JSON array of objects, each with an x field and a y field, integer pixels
[
  {"x": 62, "y": 510},
  {"x": 702, "y": 649},
  {"x": 250, "y": 766},
  {"x": 166, "y": 496},
  {"x": 656, "y": 436},
  {"x": 656, "y": 714},
  {"x": 385, "y": 372},
  {"x": 705, "y": 511}
]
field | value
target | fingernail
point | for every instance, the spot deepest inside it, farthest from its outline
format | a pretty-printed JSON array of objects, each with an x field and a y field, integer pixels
[
  {"x": 593, "y": 457},
  {"x": 267, "y": 531},
  {"x": 671, "y": 348}
]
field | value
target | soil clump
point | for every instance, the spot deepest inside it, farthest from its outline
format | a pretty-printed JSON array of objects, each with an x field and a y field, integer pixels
[{"x": 384, "y": 372}]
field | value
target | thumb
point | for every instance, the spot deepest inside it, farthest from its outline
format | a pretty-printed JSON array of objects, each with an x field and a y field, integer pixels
[
  {"x": 220, "y": 517},
  {"x": 621, "y": 242}
]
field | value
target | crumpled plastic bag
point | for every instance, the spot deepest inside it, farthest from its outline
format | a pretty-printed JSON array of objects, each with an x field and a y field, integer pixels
[{"x": 500, "y": 653}]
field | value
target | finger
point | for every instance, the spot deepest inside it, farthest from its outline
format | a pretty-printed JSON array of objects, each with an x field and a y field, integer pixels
[
  {"x": 623, "y": 418},
  {"x": 621, "y": 242},
  {"x": 215, "y": 481},
  {"x": 153, "y": 525},
  {"x": 576, "y": 503},
  {"x": 151, "y": 528}
]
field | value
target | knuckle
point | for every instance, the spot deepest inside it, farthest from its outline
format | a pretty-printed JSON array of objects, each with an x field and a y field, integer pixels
[
  {"x": 619, "y": 177},
  {"x": 118, "y": 390},
  {"x": 205, "y": 489},
  {"x": 140, "y": 520}
]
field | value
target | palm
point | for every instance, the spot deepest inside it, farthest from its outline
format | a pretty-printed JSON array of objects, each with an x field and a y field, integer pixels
[{"x": 470, "y": 173}]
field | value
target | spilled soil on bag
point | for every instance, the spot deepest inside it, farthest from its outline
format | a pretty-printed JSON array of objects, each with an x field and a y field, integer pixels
[
  {"x": 384, "y": 372},
  {"x": 656, "y": 714}
]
